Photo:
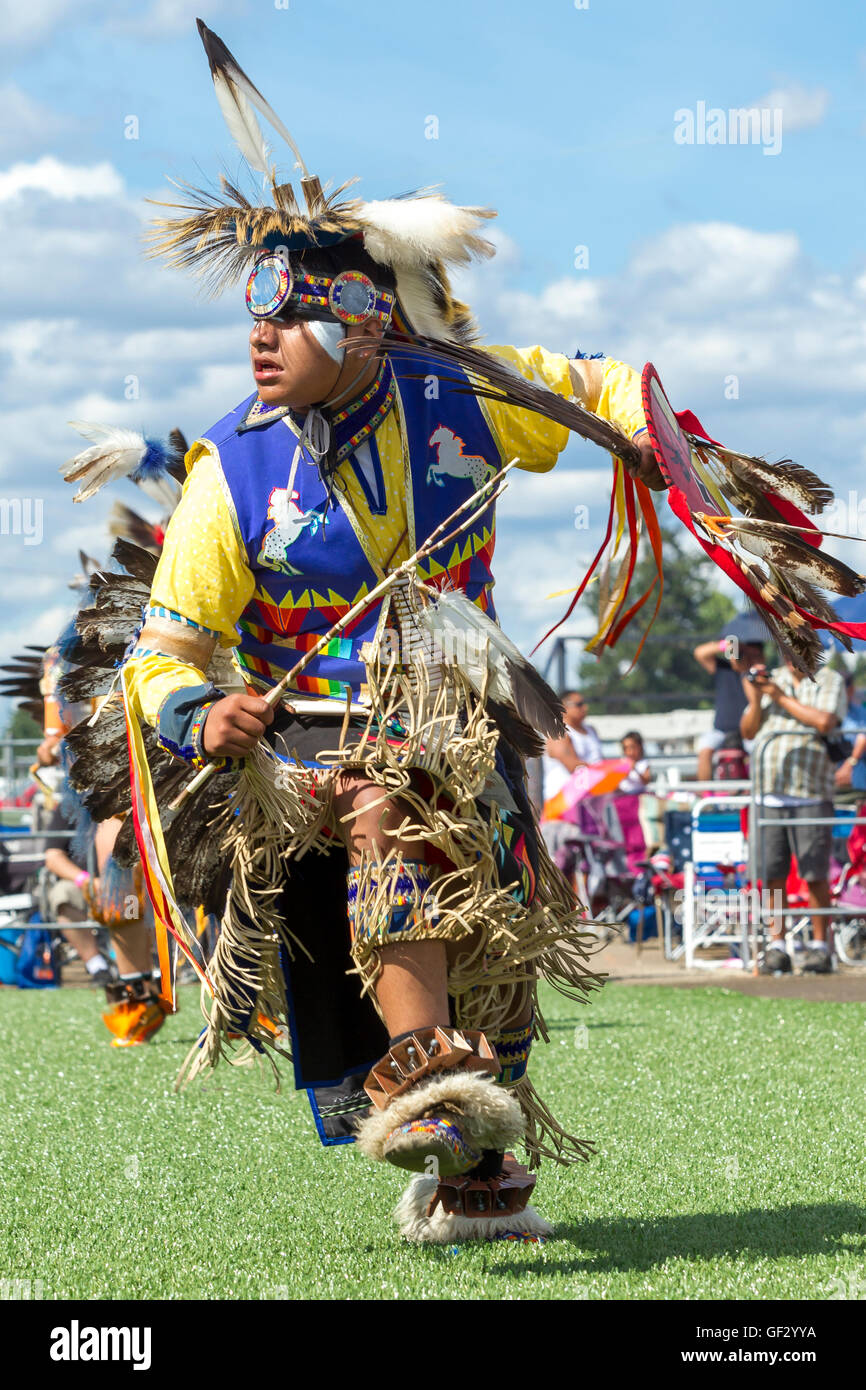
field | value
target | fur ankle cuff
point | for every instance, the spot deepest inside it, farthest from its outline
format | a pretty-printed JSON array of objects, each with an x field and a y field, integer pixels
[
  {"x": 487, "y": 1116},
  {"x": 442, "y": 1229}
]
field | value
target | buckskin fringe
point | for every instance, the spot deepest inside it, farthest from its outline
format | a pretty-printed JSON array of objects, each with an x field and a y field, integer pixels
[
  {"x": 543, "y": 1135},
  {"x": 422, "y": 720}
]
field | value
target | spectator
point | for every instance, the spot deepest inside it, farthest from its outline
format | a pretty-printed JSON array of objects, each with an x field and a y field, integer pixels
[
  {"x": 796, "y": 778},
  {"x": 727, "y": 670},
  {"x": 730, "y": 762},
  {"x": 68, "y": 879},
  {"x": 579, "y": 745},
  {"x": 852, "y": 772},
  {"x": 636, "y": 779},
  {"x": 47, "y": 754},
  {"x": 856, "y": 716}
]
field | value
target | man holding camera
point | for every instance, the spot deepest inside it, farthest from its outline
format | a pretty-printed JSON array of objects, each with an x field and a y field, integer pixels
[{"x": 795, "y": 779}]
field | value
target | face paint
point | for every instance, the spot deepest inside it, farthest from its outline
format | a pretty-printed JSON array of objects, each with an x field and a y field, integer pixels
[{"x": 329, "y": 336}]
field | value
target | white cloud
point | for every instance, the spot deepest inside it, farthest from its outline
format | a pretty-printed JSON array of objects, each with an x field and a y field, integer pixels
[
  {"x": 704, "y": 301},
  {"x": 801, "y": 107},
  {"x": 26, "y": 26},
  {"x": 25, "y": 124},
  {"x": 715, "y": 261},
  {"x": 40, "y": 629},
  {"x": 173, "y": 16},
  {"x": 60, "y": 180}
]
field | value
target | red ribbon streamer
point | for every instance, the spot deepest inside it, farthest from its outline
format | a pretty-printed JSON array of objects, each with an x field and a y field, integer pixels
[{"x": 589, "y": 573}]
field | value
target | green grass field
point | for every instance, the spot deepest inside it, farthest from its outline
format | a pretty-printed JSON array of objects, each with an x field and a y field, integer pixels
[{"x": 731, "y": 1136}]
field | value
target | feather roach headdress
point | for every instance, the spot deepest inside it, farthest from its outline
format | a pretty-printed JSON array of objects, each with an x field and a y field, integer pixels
[{"x": 412, "y": 239}]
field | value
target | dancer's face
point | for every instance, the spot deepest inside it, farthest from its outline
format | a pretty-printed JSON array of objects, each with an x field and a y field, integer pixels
[{"x": 292, "y": 368}]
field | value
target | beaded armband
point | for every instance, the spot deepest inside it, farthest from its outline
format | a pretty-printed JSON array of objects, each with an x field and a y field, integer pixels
[{"x": 199, "y": 756}]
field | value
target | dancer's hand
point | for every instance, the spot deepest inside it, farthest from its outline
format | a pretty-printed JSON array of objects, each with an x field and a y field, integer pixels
[
  {"x": 647, "y": 471},
  {"x": 235, "y": 725}
]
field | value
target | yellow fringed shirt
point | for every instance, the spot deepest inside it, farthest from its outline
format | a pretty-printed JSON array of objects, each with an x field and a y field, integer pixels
[{"x": 203, "y": 572}]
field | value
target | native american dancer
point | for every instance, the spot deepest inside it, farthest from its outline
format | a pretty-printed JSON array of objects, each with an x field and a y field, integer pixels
[{"x": 391, "y": 906}]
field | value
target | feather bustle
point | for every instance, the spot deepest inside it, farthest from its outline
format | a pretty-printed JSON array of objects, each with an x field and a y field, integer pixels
[{"x": 100, "y": 767}]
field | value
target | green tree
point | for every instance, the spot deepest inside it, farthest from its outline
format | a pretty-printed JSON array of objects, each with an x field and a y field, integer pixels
[
  {"x": 692, "y": 610},
  {"x": 860, "y": 668},
  {"x": 22, "y": 725}
]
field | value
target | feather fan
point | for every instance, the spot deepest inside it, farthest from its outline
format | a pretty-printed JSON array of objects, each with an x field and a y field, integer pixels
[
  {"x": 467, "y": 638},
  {"x": 786, "y": 479},
  {"x": 783, "y": 547}
]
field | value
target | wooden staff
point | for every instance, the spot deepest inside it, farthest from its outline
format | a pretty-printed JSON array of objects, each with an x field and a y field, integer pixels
[{"x": 433, "y": 542}]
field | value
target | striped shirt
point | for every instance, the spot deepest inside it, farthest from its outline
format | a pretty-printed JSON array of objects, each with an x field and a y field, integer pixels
[{"x": 796, "y": 763}]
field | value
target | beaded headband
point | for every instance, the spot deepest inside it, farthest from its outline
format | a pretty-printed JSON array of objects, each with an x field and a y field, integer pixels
[{"x": 350, "y": 297}]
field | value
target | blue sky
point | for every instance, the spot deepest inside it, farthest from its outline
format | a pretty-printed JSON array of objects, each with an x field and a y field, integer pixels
[
  {"x": 711, "y": 260},
  {"x": 561, "y": 118}
]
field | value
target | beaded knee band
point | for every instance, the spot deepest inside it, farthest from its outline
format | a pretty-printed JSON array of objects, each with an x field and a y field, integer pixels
[
  {"x": 513, "y": 1048},
  {"x": 389, "y": 903},
  {"x": 424, "y": 1052}
]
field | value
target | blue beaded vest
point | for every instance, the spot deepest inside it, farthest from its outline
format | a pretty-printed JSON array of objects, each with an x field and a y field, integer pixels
[{"x": 308, "y": 563}]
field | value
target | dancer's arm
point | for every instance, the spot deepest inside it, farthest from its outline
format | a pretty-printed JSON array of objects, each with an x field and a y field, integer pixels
[
  {"x": 610, "y": 389},
  {"x": 201, "y": 586}
]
